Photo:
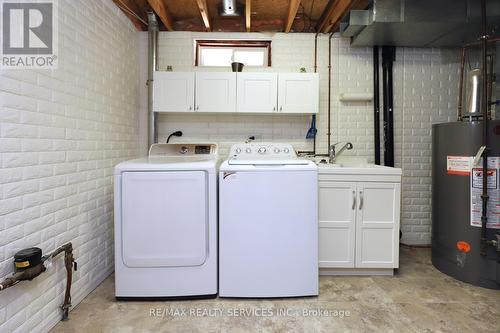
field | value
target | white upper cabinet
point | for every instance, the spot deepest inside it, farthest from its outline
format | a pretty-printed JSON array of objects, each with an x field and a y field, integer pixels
[
  {"x": 257, "y": 92},
  {"x": 298, "y": 92},
  {"x": 215, "y": 92},
  {"x": 173, "y": 92},
  {"x": 235, "y": 92}
]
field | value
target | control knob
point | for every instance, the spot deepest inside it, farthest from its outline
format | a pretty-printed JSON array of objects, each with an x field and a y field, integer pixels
[
  {"x": 286, "y": 150},
  {"x": 262, "y": 150},
  {"x": 248, "y": 150},
  {"x": 238, "y": 150}
]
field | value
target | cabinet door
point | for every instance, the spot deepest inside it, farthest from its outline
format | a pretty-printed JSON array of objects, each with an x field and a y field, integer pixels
[
  {"x": 257, "y": 92},
  {"x": 215, "y": 92},
  {"x": 377, "y": 225},
  {"x": 337, "y": 212},
  {"x": 298, "y": 92},
  {"x": 173, "y": 92}
]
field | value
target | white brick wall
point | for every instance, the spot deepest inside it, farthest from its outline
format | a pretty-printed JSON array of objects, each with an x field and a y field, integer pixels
[
  {"x": 426, "y": 86},
  {"x": 61, "y": 132}
]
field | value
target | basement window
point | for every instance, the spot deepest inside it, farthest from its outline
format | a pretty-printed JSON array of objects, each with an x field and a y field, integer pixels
[{"x": 221, "y": 53}]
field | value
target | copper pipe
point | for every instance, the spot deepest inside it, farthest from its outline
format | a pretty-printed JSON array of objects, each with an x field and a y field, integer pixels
[
  {"x": 68, "y": 262},
  {"x": 479, "y": 43},
  {"x": 27, "y": 274},
  {"x": 316, "y": 52},
  {"x": 329, "y": 132},
  {"x": 313, "y": 152},
  {"x": 33, "y": 272}
]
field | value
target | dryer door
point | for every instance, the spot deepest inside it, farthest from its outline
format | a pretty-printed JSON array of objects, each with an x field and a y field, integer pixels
[{"x": 164, "y": 218}]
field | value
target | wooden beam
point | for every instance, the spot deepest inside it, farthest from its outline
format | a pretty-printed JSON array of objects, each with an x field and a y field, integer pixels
[
  {"x": 128, "y": 7},
  {"x": 292, "y": 13},
  {"x": 335, "y": 10},
  {"x": 162, "y": 12},
  {"x": 202, "y": 5},
  {"x": 248, "y": 13}
]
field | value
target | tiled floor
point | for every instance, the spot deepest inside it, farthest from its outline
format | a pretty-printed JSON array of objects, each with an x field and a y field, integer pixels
[{"x": 418, "y": 299}]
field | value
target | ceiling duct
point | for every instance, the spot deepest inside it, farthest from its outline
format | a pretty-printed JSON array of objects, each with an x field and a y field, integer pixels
[
  {"x": 419, "y": 23},
  {"x": 229, "y": 8}
]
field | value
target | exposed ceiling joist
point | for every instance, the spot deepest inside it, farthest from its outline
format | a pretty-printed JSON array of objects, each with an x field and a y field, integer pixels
[
  {"x": 202, "y": 5},
  {"x": 248, "y": 13},
  {"x": 131, "y": 10},
  {"x": 162, "y": 12},
  {"x": 293, "y": 7},
  {"x": 335, "y": 11}
]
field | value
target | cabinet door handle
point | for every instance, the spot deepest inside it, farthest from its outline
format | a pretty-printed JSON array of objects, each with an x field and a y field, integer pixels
[
  {"x": 190, "y": 108},
  {"x": 353, "y": 200},
  {"x": 281, "y": 108},
  {"x": 360, "y": 200},
  {"x": 274, "y": 108}
]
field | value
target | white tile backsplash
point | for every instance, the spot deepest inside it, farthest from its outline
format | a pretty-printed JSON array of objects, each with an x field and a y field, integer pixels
[
  {"x": 61, "y": 133},
  {"x": 425, "y": 92}
]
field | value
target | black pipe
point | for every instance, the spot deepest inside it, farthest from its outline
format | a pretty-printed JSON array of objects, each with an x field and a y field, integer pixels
[
  {"x": 484, "y": 195},
  {"x": 376, "y": 104},
  {"x": 388, "y": 57}
]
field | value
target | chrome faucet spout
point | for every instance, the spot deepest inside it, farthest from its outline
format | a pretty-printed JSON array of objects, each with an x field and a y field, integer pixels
[{"x": 333, "y": 153}]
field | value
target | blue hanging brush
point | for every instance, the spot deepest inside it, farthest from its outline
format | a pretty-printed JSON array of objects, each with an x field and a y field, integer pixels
[{"x": 311, "y": 133}]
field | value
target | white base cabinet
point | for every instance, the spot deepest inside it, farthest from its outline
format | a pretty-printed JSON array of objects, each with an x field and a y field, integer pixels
[{"x": 358, "y": 223}]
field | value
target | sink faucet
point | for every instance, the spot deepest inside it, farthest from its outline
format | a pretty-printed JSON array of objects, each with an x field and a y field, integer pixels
[{"x": 333, "y": 153}]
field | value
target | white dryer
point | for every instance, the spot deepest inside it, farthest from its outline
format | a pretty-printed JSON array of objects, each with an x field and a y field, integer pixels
[
  {"x": 268, "y": 224},
  {"x": 166, "y": 223}
]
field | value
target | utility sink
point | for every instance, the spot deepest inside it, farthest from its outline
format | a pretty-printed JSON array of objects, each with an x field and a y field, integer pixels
[{"x": 352, "y": 165}]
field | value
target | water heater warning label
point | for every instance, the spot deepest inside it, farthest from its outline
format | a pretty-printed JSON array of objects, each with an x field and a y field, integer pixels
[
  {"x": 476, "y": 184},
  {"x": 458, "y": 165}
]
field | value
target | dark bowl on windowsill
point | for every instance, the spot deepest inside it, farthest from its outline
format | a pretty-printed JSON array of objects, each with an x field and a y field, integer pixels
[{"x": 237, "y": 66}]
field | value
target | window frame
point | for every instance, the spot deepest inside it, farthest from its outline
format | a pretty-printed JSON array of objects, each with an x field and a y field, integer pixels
[{"x": 235, "y": 43}]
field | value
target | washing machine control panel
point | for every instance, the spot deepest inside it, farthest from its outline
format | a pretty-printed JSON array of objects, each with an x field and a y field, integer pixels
[{"x": 255, "y": 151}]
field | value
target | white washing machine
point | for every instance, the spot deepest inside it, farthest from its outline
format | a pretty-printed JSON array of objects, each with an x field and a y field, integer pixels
[
  {"x": 268, "y": 224},
  {"x": 166, "y": 223}
]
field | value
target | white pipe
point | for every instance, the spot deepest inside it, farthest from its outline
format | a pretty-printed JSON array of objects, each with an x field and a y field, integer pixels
[{"x": 356, "y": 97}]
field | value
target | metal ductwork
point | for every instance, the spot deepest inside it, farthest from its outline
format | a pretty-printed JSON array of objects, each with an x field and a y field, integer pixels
[
  {"x": 419, "y": 23},
  {"x": 229, "y": 8}
]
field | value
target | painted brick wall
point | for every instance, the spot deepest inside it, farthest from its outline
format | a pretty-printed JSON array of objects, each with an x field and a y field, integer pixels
[
  {"x": 61, "y": 133},
  {"x": 426, "y": 86}
]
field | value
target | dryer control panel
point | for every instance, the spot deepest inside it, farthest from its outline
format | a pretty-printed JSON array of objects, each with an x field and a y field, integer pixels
[{"x": 182, "y": 149}]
